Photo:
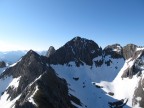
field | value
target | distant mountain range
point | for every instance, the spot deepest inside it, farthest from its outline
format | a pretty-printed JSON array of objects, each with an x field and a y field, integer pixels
[
  {"x": 80, "y": 74},
  {"x": 13, "y": 56}
]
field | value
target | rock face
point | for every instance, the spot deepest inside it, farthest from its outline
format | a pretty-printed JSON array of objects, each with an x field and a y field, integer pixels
[
  {"x": 78, "y": 50},
  {"x": 114, "y": 50},
  {"x": 139, "y": 91},
  {"x": 129, "y": 51},
  {"x": 51, "y": 51},
  {"x": 36, "y": 77},
  {"x": 137, "y": 65},
  {"x": 2, "y": 64},
  {"x": 138, "y": 98}
]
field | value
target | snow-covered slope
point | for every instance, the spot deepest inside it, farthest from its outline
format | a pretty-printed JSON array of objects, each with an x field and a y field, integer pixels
[
  {"x": 81, "y": 82},
  {"x": 124, "y": 88}
]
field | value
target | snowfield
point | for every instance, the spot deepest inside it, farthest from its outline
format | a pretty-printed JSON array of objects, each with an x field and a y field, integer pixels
[{"x": 80, "y": 81}]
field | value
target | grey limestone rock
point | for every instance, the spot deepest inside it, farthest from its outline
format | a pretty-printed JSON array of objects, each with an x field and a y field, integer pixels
[
  {"x": 137, "y": 67},
  {"x": 138, "y": 97},
  {"x": 129, "y": 51},
  {"x": 50, "y": 51}
]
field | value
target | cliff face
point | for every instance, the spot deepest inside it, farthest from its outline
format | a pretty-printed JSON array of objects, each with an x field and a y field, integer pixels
[
  {"x": 139, "y": 93},
  {"x": 50, "y": 51},
  {"x": 129, "y": 51},
  {"x": 134, "y": 64}
]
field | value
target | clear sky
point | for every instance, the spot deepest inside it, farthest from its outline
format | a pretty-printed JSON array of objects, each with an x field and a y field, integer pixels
[{"x": 38, "y": 24}]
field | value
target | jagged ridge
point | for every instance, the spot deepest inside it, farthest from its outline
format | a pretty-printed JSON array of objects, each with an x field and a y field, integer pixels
[{"x": 35, "y": 75}]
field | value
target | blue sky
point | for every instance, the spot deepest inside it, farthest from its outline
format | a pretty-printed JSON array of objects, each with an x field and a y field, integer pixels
[{"x": 38, "y": 24}]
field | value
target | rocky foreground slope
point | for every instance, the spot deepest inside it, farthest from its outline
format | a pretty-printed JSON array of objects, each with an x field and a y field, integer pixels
[{"x": 79, "y": 74}]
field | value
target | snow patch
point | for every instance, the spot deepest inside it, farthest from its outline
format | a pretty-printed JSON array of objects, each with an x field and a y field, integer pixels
[
  {"x": 97, "y": 58},
  {"x": 6, "y": 103},
  {"x": 15, "y": 82},
  {"x": 139, "y": 49},
  {"x": 137, "y": 106},
  {"x": 72, "y": 50},
  {"x": 30, "y": 99},
  {"x": 36, "y": 89},
  {"x": 138, "y": 98},
  {"x": 4, "y": 83},
  {"x": 35, "y": 80},
  {"x": 3, "y": 69},
  {"x": 15, "y": 63}
]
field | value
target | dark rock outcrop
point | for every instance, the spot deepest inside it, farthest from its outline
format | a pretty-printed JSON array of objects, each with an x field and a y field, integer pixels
[
  {"x": 129, "y": 51},
  {"x": 50, "y": 51},
  {"x": 118, "y": 104},
  {"x": 114, "y": 50},
  {"x": 78, "y": 50},
  {"x": 52, "y": 92},
  {"x": 136, "y": 66},
  {"x": 2, "y": 64},
  {"x": 138, "y": 97}
]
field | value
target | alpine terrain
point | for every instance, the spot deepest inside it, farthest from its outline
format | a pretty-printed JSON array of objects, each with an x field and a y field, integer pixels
[{"x": 80, "y": 74}]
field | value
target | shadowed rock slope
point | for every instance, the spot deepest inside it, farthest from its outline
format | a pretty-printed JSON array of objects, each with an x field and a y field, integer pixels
[
  {"x": 39, "y": 81},
  {"x": 79, "y": 50}
]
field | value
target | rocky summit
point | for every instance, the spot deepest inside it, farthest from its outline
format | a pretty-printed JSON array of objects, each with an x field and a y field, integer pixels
[
  {"x": 80, "y": 74},
  {"x": 78, "y": 50},
  {"x": 51, "y": 51},
  {"x": 2, "y": 64}
]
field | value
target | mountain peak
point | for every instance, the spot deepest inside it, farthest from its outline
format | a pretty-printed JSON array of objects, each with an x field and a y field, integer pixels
[
  {"x": 78, "y": 50},
  {"x": 80, "y": 39},
  {"x": 50, "y": 51},
  {"x": 115, "y": 50},
  {"x": 32, "y": 80},
  {"x": 129, "y": 50},
  {"x": 2, "y": 64},
  {"x": 114, "y": 47},
  {"x": 77, "y": 38},
  {"x": 31, "y": 52},
  {"x": 81, "y": 43}
]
